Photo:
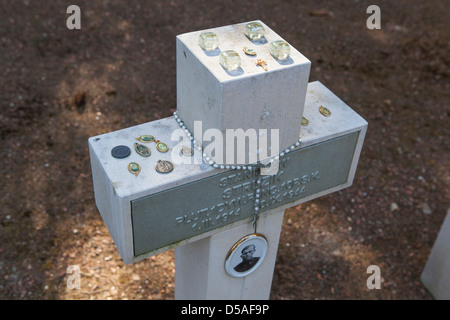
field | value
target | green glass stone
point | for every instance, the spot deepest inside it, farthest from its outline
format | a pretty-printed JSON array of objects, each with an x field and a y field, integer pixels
[
  {"x": 208, "y": 41},
  {"x": 254, "y": 30},
  {"x": 280, "y": 49},
  {"x": 230, "y": 60}
]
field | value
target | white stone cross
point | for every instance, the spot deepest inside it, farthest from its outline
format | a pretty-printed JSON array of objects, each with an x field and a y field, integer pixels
[{"x": 205, "y": 212}]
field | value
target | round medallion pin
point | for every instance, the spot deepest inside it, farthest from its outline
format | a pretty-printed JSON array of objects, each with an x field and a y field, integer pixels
[
  {"x": 161, "y": 146},
  {"x": 324, "y": 111},
  {"x": 305, "y": 122},
  {"x": 134, "y": 168},
  {"x": 186, "y": 151},
  {"x": 249, "y": 51},
  {"x": 164, "y": 166}
]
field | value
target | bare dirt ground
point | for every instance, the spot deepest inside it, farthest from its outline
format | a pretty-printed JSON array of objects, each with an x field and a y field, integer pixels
[{"x": 59, "y": 87}]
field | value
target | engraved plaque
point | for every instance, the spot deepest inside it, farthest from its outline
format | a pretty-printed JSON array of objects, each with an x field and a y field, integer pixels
[{"x": 165, "y": 218}]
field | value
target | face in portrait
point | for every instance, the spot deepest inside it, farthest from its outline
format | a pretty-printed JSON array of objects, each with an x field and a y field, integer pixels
[
  {"x": 246, "y": 255},
  {"x": 248, "y": 260}
]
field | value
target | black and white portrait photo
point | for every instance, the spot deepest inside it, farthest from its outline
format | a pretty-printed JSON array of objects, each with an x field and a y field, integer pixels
[
  {"x": 246, "y": 255},
  {"x": 248, "y": 260}
]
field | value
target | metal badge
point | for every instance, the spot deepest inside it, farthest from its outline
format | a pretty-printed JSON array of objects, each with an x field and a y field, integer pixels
[
  {"x": 187, "y": 151},
  {"x": 161, "y": 146},
  {"x": 305, "y": 122},
  {"x": 325, "y": 111},
  {"x": 134, "y": 168},
  {"x": 249, "y": 51},
  {"x": 146, "y": 138},
  {"x": 164, "y": 166},
  {"x": 142, "y": 150},
  {"x": 120, "y": 152},
  {"x": 246, "y": 255}
]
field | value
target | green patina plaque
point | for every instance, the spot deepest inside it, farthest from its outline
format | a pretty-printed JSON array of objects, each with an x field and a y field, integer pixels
[{"x": 176, "y": 214}]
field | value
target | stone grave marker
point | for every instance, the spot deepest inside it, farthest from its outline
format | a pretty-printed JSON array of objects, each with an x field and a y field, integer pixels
[
  {"x": 223, "y": 216},
  {"x": 435, "y": 275}
]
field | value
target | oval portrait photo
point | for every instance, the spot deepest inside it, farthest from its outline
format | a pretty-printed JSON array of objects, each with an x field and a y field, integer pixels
[{"x": 246, "y": 255}]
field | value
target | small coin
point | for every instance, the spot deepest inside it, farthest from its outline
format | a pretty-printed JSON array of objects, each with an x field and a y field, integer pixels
[
  {"x": 325, "y": 111},
  {"x": 186, "y": 151},
  {"x": 120, "y": 152},
  {"x": 305, "y": 122},
  {"x": 164, "y": 166}
]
